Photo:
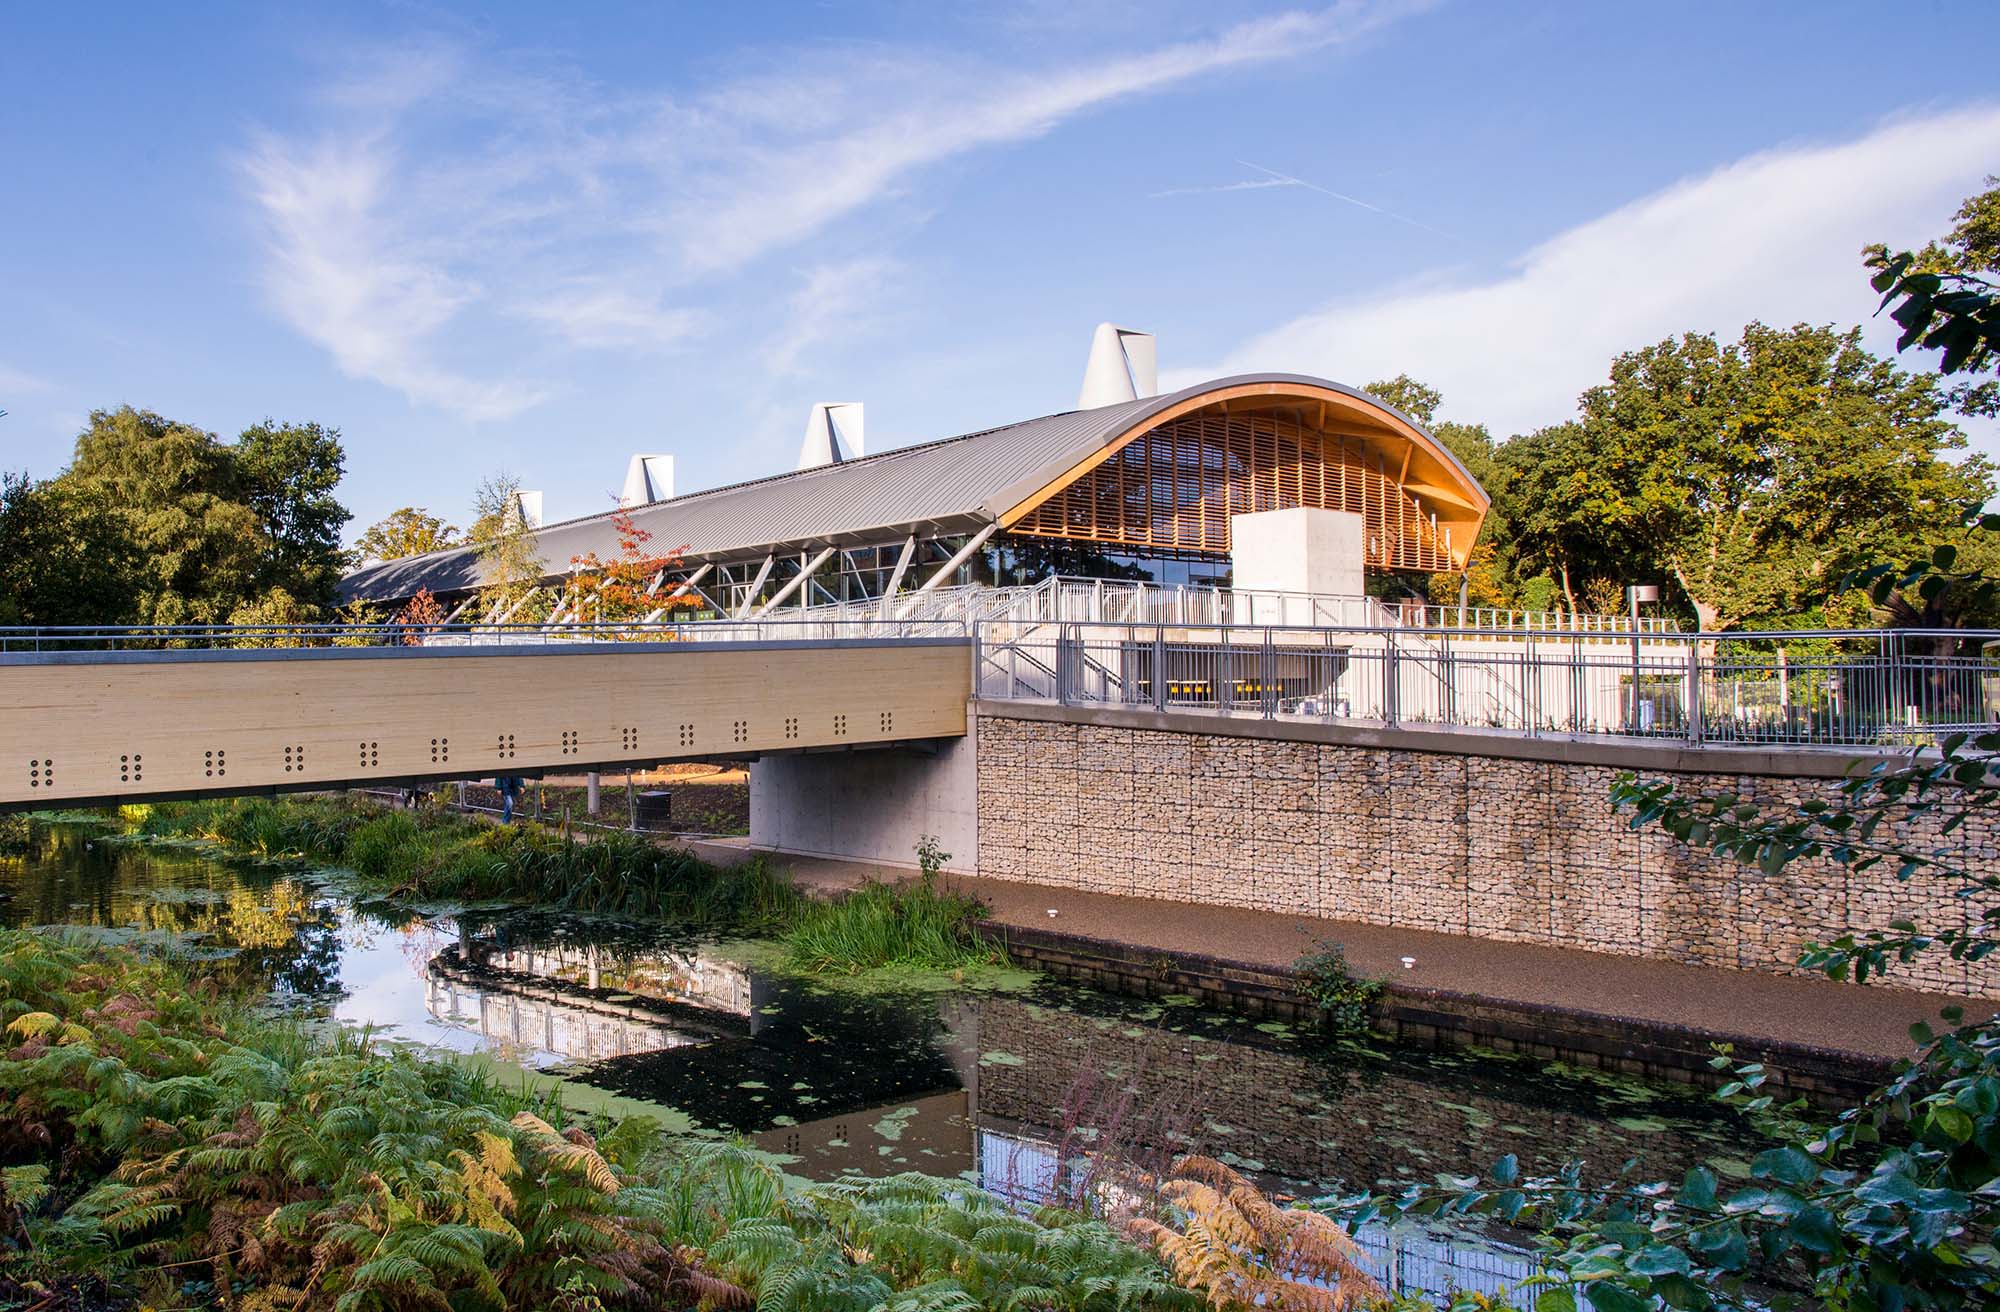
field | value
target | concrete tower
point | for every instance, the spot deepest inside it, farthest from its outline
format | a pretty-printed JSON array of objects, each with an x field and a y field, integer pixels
[
  {"x": 833, "y": 434},
  {"x": 647, "y": 479},
  {"x": 1124, "y": 366}
]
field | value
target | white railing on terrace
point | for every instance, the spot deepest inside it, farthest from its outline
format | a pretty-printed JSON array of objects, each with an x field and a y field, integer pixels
[
  {"x": 1830, "y": 688},
  {"x": 281, "y": 637},
  {"x": 1113, "y": 601}
]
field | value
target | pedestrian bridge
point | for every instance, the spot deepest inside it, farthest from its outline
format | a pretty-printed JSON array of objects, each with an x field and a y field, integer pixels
[{"x": 110, "y": 725}]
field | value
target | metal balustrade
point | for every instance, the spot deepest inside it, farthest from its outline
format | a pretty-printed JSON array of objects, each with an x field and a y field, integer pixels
[
  {"x": 278, "y": 637},
  {"x": 1820, "y": 688},
  {"x": 1116, "y": 601}
]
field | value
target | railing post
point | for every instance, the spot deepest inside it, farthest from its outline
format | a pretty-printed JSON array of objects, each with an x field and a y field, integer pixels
[
  {"x": 1267, "y": 690},
  {"x": 1694, "y": 707},
  {"x": 1065, "y": 659},
  {"x": 1448, "y": 668},
  {"x": 1531, "y": 688},
  {"x": 1392, "y": 681},
  {"x": 1160, "y": 670}
]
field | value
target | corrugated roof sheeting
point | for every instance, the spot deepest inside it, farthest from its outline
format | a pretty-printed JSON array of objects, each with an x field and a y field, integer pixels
[{"x": 951, "y": 484}]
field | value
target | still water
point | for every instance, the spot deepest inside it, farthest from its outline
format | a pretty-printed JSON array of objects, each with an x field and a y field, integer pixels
[{"x": 1009, "y": 1085}]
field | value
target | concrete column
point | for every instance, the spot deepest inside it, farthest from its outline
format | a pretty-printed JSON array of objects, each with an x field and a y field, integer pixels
[{"x": 871, "y": 805}]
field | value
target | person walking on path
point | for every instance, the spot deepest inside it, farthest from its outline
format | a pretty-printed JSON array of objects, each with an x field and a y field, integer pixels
[{"x": 510, "y": 788}]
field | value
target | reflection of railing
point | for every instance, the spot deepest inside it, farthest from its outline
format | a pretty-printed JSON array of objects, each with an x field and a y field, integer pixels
[
  {"x": 583, "y": 1004},
  {"x": 1876, "y": 687},
  {"x": 547, "y": 1024},
  {"x": 692, "y": 977}
]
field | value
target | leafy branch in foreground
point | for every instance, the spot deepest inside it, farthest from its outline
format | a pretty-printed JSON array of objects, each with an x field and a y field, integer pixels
[
  {"x": 1956, "y": 313},
  {"x": 1891, "y": 1206}
]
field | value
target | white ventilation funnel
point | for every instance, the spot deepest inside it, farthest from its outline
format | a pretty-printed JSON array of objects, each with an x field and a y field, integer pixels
[
  {"x": 530, "y": 506},
  {"x": 1124, "y": 366},
  {"x": 647, "y": 479},
  {"x": 833, "y": 434}
]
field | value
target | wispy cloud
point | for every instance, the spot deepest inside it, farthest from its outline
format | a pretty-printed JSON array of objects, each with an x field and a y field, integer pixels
[
  {"x": 1775, "y": 237},
  {"x": 775, "y": 196},
  {"x": 1287, "y": 180},
  {"x": 439, "y": 189},
  {"x": 597, "y": 315},
  {"x": 17, "y": 381},
  {"x": 1273, "y": 178},
  {"x": 1247, "y": 184},
  {"x": 339, "y": 274},
  {"x": 834, "y": 303}
]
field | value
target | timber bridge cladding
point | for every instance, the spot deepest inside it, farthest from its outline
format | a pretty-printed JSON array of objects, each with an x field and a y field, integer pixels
[{"x": 104, "y": 727}]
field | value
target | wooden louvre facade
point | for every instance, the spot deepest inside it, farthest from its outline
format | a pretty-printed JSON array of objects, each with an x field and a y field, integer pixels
[{"x": 1171, "y": 490}]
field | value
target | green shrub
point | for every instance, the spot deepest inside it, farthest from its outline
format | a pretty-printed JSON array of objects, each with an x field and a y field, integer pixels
[{"x": 1343, "y": 999}]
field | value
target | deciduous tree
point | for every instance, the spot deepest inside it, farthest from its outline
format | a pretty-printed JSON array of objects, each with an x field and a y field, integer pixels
[
  {"x": 508, "y": 564},
  {"x": 65, "y": 557},
  {"x": 1752, "y": 477},
  {"x": 409, "y": 531}
]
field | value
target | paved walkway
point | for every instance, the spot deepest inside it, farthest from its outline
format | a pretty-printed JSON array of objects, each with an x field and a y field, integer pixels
[{"x": 1841, "y": 1017}]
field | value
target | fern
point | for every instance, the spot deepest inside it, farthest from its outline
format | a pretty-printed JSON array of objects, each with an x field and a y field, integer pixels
[{"x": 1223, "y": 1238}]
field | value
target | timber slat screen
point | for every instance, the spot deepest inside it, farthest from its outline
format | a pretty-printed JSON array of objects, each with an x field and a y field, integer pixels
[{"x": 1175, "y": 487}]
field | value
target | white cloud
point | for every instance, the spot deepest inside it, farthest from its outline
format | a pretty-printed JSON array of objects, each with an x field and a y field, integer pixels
[
  {"x": 1775, "y": 237},
  {"x": 445, "y": 201},
  {"x": 339, "y": 276},
  {"x": 595, "y": 315},
  {"x": 835, "y": 302},
  {"x": 772, "y": 197},
  {"x": 17, "y": 380},
  {"x": 1247, "y": 184}
]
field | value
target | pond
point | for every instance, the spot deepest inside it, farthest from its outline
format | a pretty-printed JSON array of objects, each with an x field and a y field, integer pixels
[{"x": 1010, "y": 1083}]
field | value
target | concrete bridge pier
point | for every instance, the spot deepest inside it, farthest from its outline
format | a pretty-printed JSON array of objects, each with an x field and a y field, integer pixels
[{"x": 873, "y": 805}]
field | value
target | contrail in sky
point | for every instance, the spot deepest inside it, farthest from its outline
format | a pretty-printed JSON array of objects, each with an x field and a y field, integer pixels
[{"x": 1277, "y": 179}]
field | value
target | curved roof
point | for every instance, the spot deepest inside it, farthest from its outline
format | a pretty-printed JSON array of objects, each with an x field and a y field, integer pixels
[{"x": 954, "y": 484}]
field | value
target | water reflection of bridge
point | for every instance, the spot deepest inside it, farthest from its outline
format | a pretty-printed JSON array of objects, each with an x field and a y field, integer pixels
[
  {"x": 850, "y": 1091},
  {"x": 584, "y": 1004}
]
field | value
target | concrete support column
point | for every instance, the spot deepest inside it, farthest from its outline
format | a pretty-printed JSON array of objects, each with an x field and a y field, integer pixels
[{"x": 869, "y": 805}]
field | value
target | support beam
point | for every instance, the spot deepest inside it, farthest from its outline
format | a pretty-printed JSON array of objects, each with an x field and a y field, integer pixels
[
  {"x": 756, "y": 586},
  {"x": 459, "y": 609},
  {"x": 653, "y": 616},
  {"x": 519, "y": 602},
  {"x": 896, "y": 579},
  {"x": 950, "y": 567},
  {"x": 798, "y": 580}
]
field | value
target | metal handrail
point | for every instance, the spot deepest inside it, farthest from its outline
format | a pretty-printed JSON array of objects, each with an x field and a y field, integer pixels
[
  {"x": 1702, "y": 688},
  {"x": 279, "y": 637}
]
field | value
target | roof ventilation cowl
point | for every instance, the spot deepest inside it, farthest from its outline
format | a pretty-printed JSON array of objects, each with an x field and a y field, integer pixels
[
  {"x": 647, "y": 479},
  {"x": 1124, "y": 366},
  {"x": 833, "y": 434},
  {"x": 529, "y": 507}
]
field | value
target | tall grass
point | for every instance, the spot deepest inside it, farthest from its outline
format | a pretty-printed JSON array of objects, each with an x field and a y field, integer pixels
[
  {"x": 441, "y": 856},
  {"x": 905, "y": 926},
  {"x": 436, "y": 855}
]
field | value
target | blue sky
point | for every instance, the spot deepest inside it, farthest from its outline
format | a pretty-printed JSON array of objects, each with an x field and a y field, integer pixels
[{"x": 539, "y": 240}]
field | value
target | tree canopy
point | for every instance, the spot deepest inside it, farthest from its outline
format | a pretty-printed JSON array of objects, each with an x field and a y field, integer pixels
[
  {"x": 409, "y": 531},
  {"x": 158, "y": 522},
  {"x": 1748, "y": 477}
]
